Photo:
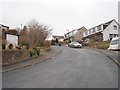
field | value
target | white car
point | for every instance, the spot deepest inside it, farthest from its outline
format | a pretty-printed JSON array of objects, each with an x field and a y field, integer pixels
[
  {"x": 114, "y": 45},
  {"x": 75, "y": 45}
]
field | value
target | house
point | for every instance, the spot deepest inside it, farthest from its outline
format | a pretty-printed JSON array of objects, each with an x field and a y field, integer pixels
[
  {"x": 75, "y": 35},
  {"x": 3, "y": 29},
  {"x": 102, "y": 32},
  {"x": 60, "y": 38},
  {"x": 70, "y": 35},
  {"x": 11, "y": 36},
  {"x": 79, "y": 34}
]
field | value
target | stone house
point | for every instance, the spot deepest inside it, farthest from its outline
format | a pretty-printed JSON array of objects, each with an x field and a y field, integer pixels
[{"x": 75, "y": 35}]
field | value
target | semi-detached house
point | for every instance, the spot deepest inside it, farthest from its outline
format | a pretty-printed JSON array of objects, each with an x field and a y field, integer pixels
[
  {"x": 103, "y": 32},
  {"x": 75, "y": 35}
]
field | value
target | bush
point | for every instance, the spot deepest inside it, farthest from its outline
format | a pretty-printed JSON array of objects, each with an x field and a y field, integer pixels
[
  {"x": 27, "y": 47},
  {"x": 34, "y": 52},
  {"x": 18, "y": 48},
  {"x": 38, "y": 52},
  {"x": 103, "y": 46},
  {"x": 99, "y": 44},
  {"x": 3, "y": 46},
  {"x": 47, "y": 44},
  {"x": 10, "y": 46},
  {"x": 31, "y": 54},
  {"x": 53, "y": 42}
]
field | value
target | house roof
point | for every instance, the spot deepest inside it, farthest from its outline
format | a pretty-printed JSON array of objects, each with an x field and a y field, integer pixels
[
  {"x": 4, "y": 25},
  {"x": 81, "y": 28},
  {"x": 71, "y": 31},
  {"x": 12, "y": 32},
  {"x": 106, "y": 23},
  {"x": 76, "y": 29}
]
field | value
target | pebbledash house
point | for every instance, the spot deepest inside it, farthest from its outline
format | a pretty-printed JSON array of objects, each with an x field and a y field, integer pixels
[
  {"x": 11, "y": 36},
  {"x": 102, "y": 32}
]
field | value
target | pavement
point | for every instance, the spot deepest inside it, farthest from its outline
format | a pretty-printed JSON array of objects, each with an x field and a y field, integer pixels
[
  {"x": 46, "y": 56},
  {"x": 113, "y": 55}
]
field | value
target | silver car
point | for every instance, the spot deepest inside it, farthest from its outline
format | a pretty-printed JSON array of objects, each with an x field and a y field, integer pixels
[
  {"x": 114, "y": 45},
  {"x": 75, "y": 45}
]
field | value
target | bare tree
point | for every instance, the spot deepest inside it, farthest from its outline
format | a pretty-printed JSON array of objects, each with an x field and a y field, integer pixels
[{"x": 37, "y": 33}]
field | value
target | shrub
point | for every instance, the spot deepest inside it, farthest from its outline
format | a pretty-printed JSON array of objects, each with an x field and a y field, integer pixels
[
  {"x": 34, "y": 52},
  {"x": 3, "y": 46},
  {"x": 103, "y": 47},
  {"x": 10, "y": 46},
  {"x": 99, "y": 44},
  {"x": 47, "y": 44},
  {"x": 27, "y": 47},
  {"x": 31, "y": 54},
  {"x": 38, "y": 52},
  {"x": 18, "y": 48},
  {"x": 53, "y": 42}
]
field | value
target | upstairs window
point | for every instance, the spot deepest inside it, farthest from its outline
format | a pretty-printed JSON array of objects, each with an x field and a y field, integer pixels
[
  {"x": 99, "y": 28},
  {"x": 93, "y": 30},
  {"x": 86, "y": 33},
  {"x": 89, "y": 31},
  {"x": 115, "y": 27}
]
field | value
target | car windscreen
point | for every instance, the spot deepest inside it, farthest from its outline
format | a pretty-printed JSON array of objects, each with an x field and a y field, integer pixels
[{"x": 115, "y": 42}]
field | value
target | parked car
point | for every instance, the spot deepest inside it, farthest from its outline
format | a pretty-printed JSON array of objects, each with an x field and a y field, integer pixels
[
  {"x": 114, "y": 44},
  {"x": 75, "y": 45}
]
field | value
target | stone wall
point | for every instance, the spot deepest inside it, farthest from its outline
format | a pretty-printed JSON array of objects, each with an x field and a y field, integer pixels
[{"x": 14, "y": 56}]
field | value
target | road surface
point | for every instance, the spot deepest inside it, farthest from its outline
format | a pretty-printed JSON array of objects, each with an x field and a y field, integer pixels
[{"x": 73, "y": 68}]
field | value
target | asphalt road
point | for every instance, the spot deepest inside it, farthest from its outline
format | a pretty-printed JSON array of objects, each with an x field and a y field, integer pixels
[{"x": 73, "y": 68}]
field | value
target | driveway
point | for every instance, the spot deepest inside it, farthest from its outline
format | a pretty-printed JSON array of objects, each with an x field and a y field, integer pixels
[{"x": 73, "y": 68}]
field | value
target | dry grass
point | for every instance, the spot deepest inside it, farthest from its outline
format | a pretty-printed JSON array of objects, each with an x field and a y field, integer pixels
[{"x": 99, "y": 44}]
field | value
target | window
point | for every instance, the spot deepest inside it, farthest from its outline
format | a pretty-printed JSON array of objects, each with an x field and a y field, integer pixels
[
  {"x": 93, "y": 30},
  {"x": 99, "y": 28},
  {"x": 113, "y": 36},
  {"x": 115, "y": 27},
  {"x": 89, "y": 31},
  {"x": 86, "y": 33}
]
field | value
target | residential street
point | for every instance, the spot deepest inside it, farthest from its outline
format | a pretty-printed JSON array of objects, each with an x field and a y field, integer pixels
[{"x": 72, "y": 68}]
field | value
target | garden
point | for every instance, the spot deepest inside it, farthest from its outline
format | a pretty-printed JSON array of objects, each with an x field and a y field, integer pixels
[{"x": 32, "y": 43}]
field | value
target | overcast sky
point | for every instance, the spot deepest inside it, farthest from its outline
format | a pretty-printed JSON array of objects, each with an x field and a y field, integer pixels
[{"x": 58, "y": 14}]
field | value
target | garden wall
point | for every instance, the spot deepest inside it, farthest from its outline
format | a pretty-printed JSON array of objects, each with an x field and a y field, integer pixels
[{"x": 14, "y": 56}]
